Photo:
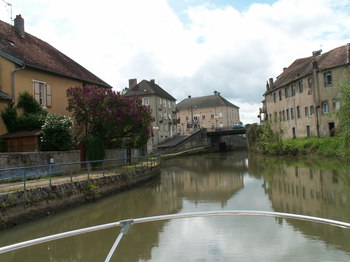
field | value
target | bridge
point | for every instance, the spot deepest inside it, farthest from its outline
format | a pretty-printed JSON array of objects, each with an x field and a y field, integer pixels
[{"x": 218, "y": 140}]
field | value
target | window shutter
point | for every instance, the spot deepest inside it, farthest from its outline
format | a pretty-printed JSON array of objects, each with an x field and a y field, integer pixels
[
  {"x": 48, "y": 96},
  {"x": 37, "y": 92}
]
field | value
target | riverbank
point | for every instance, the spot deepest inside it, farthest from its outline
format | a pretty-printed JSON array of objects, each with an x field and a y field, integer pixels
[
  {"x": 24, "y": 205},
  {"x": 325, "y": 146}
]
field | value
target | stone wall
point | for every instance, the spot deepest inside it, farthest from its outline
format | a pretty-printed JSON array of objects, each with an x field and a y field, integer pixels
[
  {"x": 21, "y": 206},
  {"x": 8, "y": 160}
]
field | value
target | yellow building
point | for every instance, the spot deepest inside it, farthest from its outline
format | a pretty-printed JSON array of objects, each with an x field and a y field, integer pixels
[
  {"x": 28, "y": 64},
  {"x": 211, "y": 112},
  {"x": 302, "y": 98}
]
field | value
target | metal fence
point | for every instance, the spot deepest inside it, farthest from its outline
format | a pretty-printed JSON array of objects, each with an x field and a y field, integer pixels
[{"x": 22, "y": 178}]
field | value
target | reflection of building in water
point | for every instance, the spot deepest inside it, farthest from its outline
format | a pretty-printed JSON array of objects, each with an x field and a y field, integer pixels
[
  {"x": 320, "y": 193},
  {"x": 211, "y": 187},
  {"x": 312, "y": 192},
  {"x": 209, "y": 178}
]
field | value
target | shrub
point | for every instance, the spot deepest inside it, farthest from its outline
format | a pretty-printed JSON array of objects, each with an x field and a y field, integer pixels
[
  {"x": 28, "y": 104},
  {"x": 57, "y": 133},
  {"x": 10, "y": 119},
  {"x": 95, "y": 149}
]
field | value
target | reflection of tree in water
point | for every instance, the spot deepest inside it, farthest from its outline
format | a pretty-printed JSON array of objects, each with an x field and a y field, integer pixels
[
  {"x": 149, "y": 200},
  {"x": 309, "y": 187}
]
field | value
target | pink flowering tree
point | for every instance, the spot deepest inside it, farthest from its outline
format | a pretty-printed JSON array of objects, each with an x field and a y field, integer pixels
[{"x": 107, "y": 114}]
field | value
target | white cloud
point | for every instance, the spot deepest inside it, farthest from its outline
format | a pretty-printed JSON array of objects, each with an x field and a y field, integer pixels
[{"x": 219, "y": 49}]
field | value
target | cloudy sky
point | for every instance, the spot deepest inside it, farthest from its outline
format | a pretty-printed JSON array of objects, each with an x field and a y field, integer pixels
[{"x": 190, "y": 47}]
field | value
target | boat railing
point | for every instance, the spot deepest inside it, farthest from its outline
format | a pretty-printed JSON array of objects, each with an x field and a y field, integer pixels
[{"x": 126, "y": 224}]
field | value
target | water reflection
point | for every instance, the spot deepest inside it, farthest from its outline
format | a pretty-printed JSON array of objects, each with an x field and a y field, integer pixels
[
  {"x": 309, "y": 187},
  {"x": 203, "y": 183}
]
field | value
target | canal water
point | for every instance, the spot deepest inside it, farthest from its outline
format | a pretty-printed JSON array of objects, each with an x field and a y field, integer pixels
[{"x": 209, "y": 182}]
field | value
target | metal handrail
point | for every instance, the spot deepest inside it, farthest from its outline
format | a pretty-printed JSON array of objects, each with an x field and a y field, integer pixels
[{"x": 125, "y": 224}]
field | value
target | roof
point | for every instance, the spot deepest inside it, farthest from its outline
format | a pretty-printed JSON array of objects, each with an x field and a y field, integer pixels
[
  {"x": 149, "y": 88},
  {"x": 204, "y": 102},
  {"x": 304, "y": 66},
  {"x": 19, "y": 134},
  {"x": 35, "y": 53},
  {"x": 5, "y": 97}
]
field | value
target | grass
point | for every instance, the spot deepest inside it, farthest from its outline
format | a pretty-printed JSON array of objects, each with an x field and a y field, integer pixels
[{"x": 328, "y": 146}]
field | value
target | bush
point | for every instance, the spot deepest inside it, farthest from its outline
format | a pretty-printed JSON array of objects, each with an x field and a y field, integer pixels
[
  {"x": 10, "y": 119},
  {"x": 57, "y": 133},
  {"x": 28, "y": 104},
  {"x": 95, "y": 148}
]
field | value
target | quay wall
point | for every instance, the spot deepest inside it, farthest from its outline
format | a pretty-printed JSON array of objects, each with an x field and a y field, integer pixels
[{"x": 21, "y": 206}]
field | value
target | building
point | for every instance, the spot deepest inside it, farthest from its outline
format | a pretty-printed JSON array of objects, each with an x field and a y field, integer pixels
[
  {"x": 302, "y": 98},
  {"x": 32, "y": 65},
  {"x": 163, "y": 107},
  {"x": 212, "y": 112}
]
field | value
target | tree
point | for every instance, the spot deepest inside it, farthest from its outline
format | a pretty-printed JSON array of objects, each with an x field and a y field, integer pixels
[
  {"x": 110, "y": 115},
  {"x": 343, "y": 113}
]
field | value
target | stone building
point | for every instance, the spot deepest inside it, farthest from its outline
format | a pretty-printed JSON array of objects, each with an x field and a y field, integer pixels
[
  {"x": 163, "y": 109},
  {"x": 302, "y": 98},
  {"x": 211, "y": 112}
]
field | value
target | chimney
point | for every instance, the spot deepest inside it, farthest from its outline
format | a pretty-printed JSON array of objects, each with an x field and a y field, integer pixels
[
  {"x": 19, "y": 25},
  {"x": 284, "y": 69},
  {"x": 316, "y": 53},
  {"x": 348, "y": 53},
  {"x": 189, "y": 96},
  {"x": 215, "y": 92},
  {"x": 132, "y": 83},
  {"x": 267, "y": 86},
  {"x": 271, "y": 83},
  {"x": 152, "y": 81}
]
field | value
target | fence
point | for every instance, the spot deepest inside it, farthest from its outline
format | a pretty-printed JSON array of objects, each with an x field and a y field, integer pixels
[{"x": 22, "y": 178}]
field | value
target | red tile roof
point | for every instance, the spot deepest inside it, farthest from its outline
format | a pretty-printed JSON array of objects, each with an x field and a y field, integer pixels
[
  {"x": 303, "y": 66},
  {"x": 35, "y": 53}
]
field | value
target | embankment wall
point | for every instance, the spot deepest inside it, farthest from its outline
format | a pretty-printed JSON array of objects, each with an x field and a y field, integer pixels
[{"x": 21, "y": 206}]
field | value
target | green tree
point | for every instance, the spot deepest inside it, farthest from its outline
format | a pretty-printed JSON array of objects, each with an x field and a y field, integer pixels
[{"x": 343, "y": 113}]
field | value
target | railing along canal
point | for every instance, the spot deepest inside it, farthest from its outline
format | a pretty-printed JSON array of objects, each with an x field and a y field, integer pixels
[
  {"x": 22, "y": 178},
  {"x": 125, "y": 225}
]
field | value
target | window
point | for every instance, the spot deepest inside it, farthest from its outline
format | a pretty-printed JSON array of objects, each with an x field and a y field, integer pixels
[
  {"x": 280, "y": 116},
  {"x": 275, "y": 117},
  {"x": 306, "y": 111},
  {"x": 42, "y": 93},
  {"x": 287, "y": 112},
  {"x": 309, "y": 82},
  {"x": 164, "y": 103},
  {"x": 220, "y": 114},
  {"x": 284, "y": 115},
  {"x": 298, "y": 111},
  {"x": 312, "y": 110},
  {"x": 212, "y": 116},
  {"x": 286, "y": 92},
  {"x": 336, "y": 105},
  {"x": 274, "y": 97},
  {"x": 169, "y": 104},
  {"x": 292, "y": 113},
  {"x": 294, "y": 133},
  {"x": 301, "y": 86},
  {"x": 325, "y": 108},
  {"x": 308, "y": 131},
  {"x": 145, "y": 101},
  {"x": 280, "y": 94},
  {"x": 203, "y": 117},
  {"x": 293, "y": 90},
  {"x": 328, "y": 79}
]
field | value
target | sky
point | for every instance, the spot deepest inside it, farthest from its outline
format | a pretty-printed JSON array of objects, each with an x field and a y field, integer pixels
[{"x": 190, "y": 47}]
